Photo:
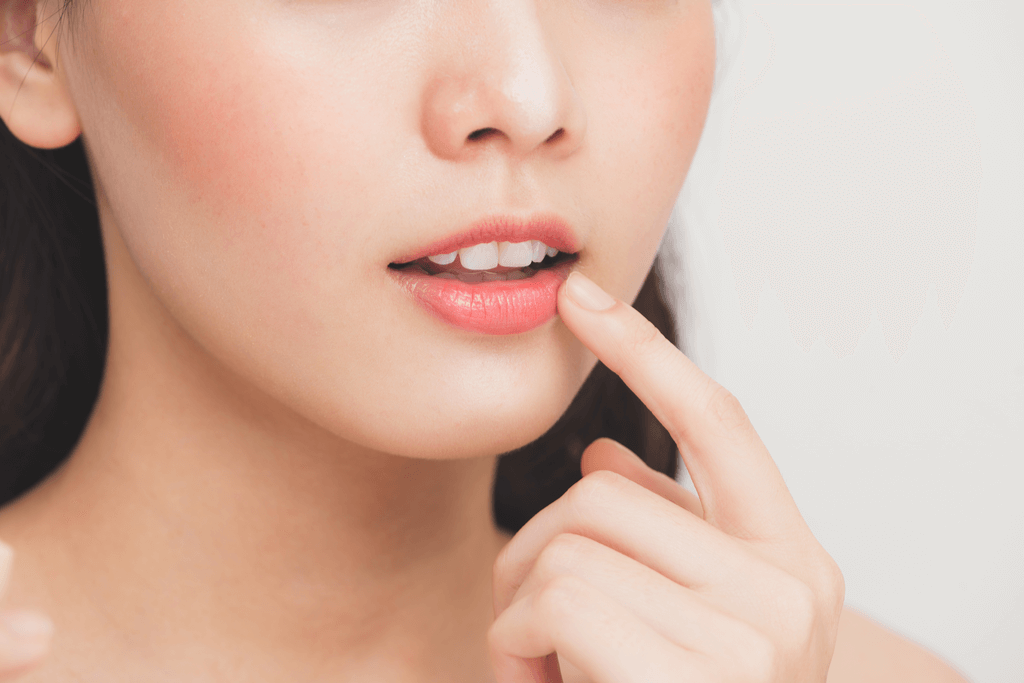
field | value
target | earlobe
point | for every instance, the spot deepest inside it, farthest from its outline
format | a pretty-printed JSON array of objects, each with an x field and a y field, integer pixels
[{"x": 35, "y": 103}]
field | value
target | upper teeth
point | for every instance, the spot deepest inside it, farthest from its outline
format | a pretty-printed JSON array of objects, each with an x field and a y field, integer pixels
[{"x": 492, "y": 254}]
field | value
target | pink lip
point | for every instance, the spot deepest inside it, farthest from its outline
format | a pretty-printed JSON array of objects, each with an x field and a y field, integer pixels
[
  {"x": 547, "y": 228},
  {"x": 500, "y": 307}
]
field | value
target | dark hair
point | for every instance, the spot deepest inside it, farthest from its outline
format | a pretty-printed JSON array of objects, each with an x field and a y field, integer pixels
[{"x": 53, "y": 340}]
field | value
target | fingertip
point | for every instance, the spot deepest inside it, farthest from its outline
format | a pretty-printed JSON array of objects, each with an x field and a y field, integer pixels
[
  {"x": 25, "y": 637},
  {"x": 586, "y": 294},
  {"x": 27, "y": 624},
  {"x": 608, "y": 454}
]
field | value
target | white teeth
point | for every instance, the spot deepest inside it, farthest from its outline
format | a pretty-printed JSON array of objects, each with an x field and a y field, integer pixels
[
  {"x": 444, "y": 259},
  {"x": 492, "y": 254},
  {"x": 539, "y": 250},
  {"x": 515, "y": 254},
  {"x": 480, "y": 256}
]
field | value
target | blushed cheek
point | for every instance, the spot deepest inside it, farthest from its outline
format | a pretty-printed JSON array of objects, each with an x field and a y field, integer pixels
[
  {"x": 223, "y": 150},
  {"x": 205, "y": 103},
  {"x": 204, "y": 159}
]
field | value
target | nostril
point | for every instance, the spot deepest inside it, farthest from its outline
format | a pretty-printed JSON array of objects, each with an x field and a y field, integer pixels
[
  {"x": 556, "y": 135},
  {"x": 482, "y": 133}
]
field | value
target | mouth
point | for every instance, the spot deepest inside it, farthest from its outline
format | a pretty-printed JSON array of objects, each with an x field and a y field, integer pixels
[
  {"x": 482, "y": 283},
  {"x": 489, "y": 262}
]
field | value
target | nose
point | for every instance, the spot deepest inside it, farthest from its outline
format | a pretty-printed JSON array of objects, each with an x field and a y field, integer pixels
[{"x": 500, "y": 83}]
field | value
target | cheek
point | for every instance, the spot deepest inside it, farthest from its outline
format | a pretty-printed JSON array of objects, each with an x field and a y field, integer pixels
[
  {"x": 220, "y": 136},
  {"x": 223, "y": 148},
  {"x": 668, "y": 94},
  {"x": 190, "y": 93},
  {"x": 650, "y": 99}
]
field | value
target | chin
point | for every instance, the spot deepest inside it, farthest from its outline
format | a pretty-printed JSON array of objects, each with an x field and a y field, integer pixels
[{"x": 497, "y": 405}]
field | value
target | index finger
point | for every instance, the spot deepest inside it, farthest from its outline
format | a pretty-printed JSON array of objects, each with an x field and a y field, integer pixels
[{"x": 739, "y": 486}]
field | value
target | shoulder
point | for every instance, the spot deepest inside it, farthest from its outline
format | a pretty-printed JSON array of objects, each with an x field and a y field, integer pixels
[{"x": 866, "y": 651}]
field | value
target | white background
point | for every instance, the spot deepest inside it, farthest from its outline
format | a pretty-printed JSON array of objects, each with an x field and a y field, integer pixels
[{"x": 850, "y": 244}]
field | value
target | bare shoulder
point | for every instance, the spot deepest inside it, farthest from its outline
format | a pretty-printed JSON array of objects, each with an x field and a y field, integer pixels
[{"x": 867, "y": 651}]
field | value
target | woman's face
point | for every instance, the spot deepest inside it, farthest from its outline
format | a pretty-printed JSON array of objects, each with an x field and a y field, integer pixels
[{"x": 266, "y": 162}]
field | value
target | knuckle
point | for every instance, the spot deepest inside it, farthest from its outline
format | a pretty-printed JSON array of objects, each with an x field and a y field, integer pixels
[
  {"x": 502, "y": 565},
  {"x": 799, "y": 613},
  {"x": 826, "y": 578},
  {"x": 595, "y": 489},
  {"x": 499, "y": 635},
  {"x": 646, "y": 346},
  {"x": 643, "y": 337},
  {"x": 559, "y": 555},
  {"x": 804, "y": 601},
  {"x": 495, "y": 635},
  {"x": 835, "y": 584},
  {"x": 560, "y": 596},
  {"x": 724, "y": 409}
]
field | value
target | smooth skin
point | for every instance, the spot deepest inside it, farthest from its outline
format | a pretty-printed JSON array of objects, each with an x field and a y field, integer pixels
[{"x": 288, "y": 472}]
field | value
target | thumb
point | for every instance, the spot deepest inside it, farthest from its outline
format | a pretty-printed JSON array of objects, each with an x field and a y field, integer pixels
[{"x": 606, "y": 454}]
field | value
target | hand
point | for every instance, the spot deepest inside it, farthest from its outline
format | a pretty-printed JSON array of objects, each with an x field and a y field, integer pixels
[
  {"x": 631, "y": 578},
  {"x": 24, "y": 634}
]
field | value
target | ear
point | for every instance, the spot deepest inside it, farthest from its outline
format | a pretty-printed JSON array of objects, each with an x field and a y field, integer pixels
[{"x": 35, "y": 104}]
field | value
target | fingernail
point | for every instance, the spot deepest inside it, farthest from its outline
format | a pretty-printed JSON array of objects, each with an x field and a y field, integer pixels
[
  {"x": 586, "y": 294},
  {"x": 27, "y": 625}
]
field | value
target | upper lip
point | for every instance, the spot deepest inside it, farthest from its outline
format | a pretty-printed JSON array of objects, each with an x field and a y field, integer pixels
[{"x": 548, "y": 228}]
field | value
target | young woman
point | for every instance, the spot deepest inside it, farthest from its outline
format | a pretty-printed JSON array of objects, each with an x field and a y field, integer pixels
[{"x": 354, "y": 251}]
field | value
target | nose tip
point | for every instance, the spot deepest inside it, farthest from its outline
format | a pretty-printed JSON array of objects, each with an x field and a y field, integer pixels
[{"x": 517, "y": 100}]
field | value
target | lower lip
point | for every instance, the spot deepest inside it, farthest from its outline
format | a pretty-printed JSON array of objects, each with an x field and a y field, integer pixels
[{"x": 499, "y": 307}]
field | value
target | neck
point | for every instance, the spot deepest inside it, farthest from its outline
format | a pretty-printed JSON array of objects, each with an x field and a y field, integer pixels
[{"x": 197, "y": 509}]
